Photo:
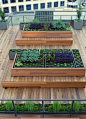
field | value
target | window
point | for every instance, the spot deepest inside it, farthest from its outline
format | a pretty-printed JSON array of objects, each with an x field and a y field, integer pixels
[
  {"x": 76, "y": 6},
  {"x": 42, "y": 5},
  {"x": 20, "y": 0},
  {"x": 21, "y": 8},
  {"x": 6, "y": 9},
  {"x": 13, "y": 9},
  {"x": 4, "y": 1},
  {"x": 62, "y": 3},
  {"x": 12, "y": 1},
  {"x": 49, "y": 4},
  {"x": 35, "y": 6},
  {"x": 69, "y": 6},
  {"x": 28, "y": 0},
  {"x": 28, "y": 7},
  {"x": 55, "y": 4}
]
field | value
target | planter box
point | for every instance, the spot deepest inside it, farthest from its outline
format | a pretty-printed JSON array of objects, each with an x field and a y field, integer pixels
[
  {"x": 45, "y": 113},
  {"x": 78, "y": 25},
  {"x": 21, "y": 26},
  {"x": 46, "y": 34},
  {"x": 11, "y": 55},
  {"x": 4, "y": 25},
  {"x": 46, "y": 71}
]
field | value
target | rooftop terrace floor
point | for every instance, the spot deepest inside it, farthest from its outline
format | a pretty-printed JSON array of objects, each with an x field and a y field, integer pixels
[{"x": 7, "y": 41}]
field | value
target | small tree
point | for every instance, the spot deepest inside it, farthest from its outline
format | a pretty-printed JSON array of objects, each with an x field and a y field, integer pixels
[
  {"x": 79, "y": 12},
  {"x": 2, "y": 14}
]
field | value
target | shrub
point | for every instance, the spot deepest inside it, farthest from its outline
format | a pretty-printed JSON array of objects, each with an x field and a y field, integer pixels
[
  {"x": 29, "y": 106},
  {"x": 56, "y": 106},
  {"x": 79, "y": 12},
  {"x": 9, "y": 106},
  {"x": 2, "y": 14},
  {"x": 76, "y": 106}
]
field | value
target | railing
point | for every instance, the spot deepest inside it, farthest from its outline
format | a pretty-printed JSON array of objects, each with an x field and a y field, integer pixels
[
  {"x": 45, "y": 16},
  {"x": 42, "y": 101}
]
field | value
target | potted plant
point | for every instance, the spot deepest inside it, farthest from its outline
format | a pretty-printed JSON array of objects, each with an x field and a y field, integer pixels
[
  {"x": 78, "y": 23},
  {"x": 3, "y": 22}
]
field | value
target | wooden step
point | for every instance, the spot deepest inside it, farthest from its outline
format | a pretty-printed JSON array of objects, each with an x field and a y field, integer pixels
[{"x": 59, "y": 84}]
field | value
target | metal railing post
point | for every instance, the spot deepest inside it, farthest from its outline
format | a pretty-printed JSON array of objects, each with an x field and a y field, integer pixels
[
  {"x": 71, "y": 109},
  {"x": 60, "y": 17},
  {"x": 11, "y": 21},
  {"x": 23, "y": 18},
  {"x": 14, "y": 108},
  {"x": 42, "y": 108},
  {"x": 71, "y": 20}
]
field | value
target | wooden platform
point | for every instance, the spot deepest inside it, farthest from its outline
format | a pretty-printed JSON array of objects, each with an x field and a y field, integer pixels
[
  {"x": 7, "y": 41},
  {"x": 42, "y": 41}
]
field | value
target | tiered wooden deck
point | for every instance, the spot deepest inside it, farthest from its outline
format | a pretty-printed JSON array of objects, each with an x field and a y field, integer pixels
[
  {"x": 42, "y": 41},
  {"x": 7, "y": 41}
]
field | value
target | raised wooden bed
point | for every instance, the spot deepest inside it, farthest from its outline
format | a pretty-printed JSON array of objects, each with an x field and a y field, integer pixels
[
  {"x": 46, "y": 34},
  {"x": 42, "y": 41},
  {"x": 47, "y": 71}
]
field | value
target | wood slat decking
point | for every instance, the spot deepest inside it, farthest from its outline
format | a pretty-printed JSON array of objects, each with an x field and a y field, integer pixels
[
  {"x": 7, "y": 41},
  {"x": 42, "y": 41}
]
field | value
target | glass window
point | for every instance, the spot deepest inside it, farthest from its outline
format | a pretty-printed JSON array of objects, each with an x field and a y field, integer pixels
[
  {"x": 12, "y": 1},
  {"x": 6, "y": 9},
  {"x": 28, "y": 0},
  {"x": 4, "y": 1},
  {"x": 28, "y": 7},
  {"x": 21, "y": 8},
  {"x": 20, "y": 0},
  {"x": 49, "y": 4},
  {"x": 42, "y": 5},
  {"x": 62, "y": 3},
  {"x": 55, "y": 4},
  {"x": 35, "y": 6},
  {"x": 13, "y": 9}
]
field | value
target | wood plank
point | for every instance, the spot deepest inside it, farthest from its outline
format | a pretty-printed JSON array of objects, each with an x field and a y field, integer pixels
[
  {"x": 44, "y": 42},
  {"x": 48, "y": 72},
  {"x": 59, "y": 84},
  {"x": 47, "y": 34}
]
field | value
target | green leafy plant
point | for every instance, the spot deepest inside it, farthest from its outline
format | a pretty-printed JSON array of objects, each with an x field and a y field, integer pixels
[
  {"x": 68, "y": 28},
  {"x": 18, "y": 64},
  {"x": 56, "y": 106},
  {"x": 30, "y": 56},
  {"x": 46, "y": 23},
  {"x": 29, "y": 106},
  {"x": 9, "y": 106},
  {"x": 36, "y": 22}
]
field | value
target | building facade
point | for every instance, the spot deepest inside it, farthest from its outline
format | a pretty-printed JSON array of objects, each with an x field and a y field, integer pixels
[{"x": 10, "y": 6}]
